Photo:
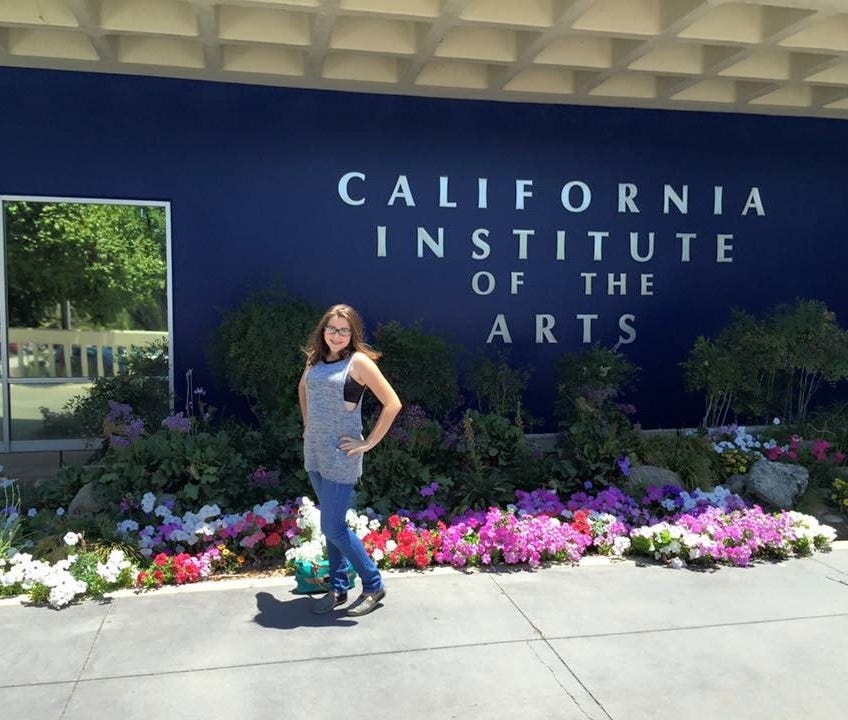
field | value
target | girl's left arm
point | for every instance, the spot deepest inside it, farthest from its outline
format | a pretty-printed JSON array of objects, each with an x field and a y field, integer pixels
[{"x": 366, "y": 372}]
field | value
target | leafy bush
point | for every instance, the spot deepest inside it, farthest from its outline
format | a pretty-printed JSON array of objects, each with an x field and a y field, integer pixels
[
  {"x": 772, "y": 366},
  {"x": 410, "y": 457},
  {"x": 691, "y": 456},
  {"x": 277, "y": 444},
  {"x": 256, "y": 349},
  {"x": 497, "y": 386},
  {"x": 494, "y": 460},
  {"x": 420, "y": 366},
  {"x": 195, "y": 468},
  {"x": 595, "y": 428}
]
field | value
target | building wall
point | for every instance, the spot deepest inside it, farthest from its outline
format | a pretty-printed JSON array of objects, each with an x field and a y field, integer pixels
[{"x": 253, "y": 177}]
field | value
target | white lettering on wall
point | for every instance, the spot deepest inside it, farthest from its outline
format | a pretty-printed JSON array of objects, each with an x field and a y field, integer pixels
[
  {"x": 437, "y": 247},
  {"x": 522, "y": 192},
  {"x": 754, "y": 201},
  {"x": 403, "y": 191},
  {"x": 499, "y": 329},
  {"x": 483, "y": 248},
  {"x": 624, "y": 324},
  {"x": 585, "y": 194},
  {"x": 681, "y": 202},
  {"x": 344, "y": 192},
  {"x": 544, "y": 325},
  {"x": 626, "y": 194}
]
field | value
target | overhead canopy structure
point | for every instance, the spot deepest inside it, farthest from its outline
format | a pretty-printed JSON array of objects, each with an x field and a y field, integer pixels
[{"x": 787, "y": 57}]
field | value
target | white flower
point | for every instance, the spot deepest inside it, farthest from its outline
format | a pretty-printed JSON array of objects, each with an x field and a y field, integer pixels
[
  {"x": 60, "y": 512},
  {"x": 377, "y": 555},
  {"x": 71, "y": 538},
  {"x": 620, "y": 545},
  {"x": 32, "y": 512},
  {"x": 676, "y": 563},
  {"x": 390, "y": 545},
  {"x": 776, "y": 421}
]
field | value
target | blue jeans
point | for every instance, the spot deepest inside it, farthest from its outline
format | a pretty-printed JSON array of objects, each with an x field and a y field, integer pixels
[{"x": 343, "y": 545}]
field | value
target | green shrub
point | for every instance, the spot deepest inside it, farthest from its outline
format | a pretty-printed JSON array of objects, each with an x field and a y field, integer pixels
[
  {"x": 769, "y": 366},
  {"x": 691, "y": 456},
  {"x": 595, "y": 428},
  {"x": 410, "y": 457},
  {"x": 196, "y": 468},
  {"x": 277, "y": 445},
  {"x": 256, "y": 350},
  {"x": 497, "y": 386},
  {"x": 420, "y": 366}
]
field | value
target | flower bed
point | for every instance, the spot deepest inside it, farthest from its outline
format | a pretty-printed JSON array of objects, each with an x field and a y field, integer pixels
[{"x": 669, "y": 524}]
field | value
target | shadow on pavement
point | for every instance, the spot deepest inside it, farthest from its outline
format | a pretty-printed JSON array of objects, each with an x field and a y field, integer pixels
[{"x": 297, "y": 612}]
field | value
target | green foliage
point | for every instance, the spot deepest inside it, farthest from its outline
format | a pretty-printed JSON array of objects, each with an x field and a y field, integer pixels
[
  {"x": 829, "y": 422},
  {"x": 410, "y": 457},
  {"x": 256, "y": 349},
  {"x": 57, "y": 492},
  {"x": 497, "y": 386},
  {"x": 196, "y": 468},
  {"x": 691, "y": 456},
  {"x": 726, "y": 369},
  {"x": 420, "y": 366},
  {"x": 144, "y": 387},
  {"x": 814, "y": 350},
  {"x": 595, "y": 428},
  {"x": 494, "y": 461},
  {"x": 277, "y": 443},
  {"x": 771, "y": 366},
  {"x": 105, "y": 259}
]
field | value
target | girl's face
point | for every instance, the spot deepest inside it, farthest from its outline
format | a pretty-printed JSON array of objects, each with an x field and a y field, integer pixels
[{"x": 337, "y": 336}]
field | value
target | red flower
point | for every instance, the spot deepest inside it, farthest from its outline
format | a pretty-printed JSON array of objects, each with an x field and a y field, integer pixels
[
  {"x": 161, "y": 560},
  {"x": 159, "y": 577},
  {"x": 394, "y": 521},
  {"x": 272, "y": 540},
  {"x": 261, "y": 522},
  {"x": 142, "y": 576}
]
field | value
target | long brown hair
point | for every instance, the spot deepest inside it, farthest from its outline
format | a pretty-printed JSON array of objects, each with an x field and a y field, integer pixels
[{"x": 317, "y": 349}]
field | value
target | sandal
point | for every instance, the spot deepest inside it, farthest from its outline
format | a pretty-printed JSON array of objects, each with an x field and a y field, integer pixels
[
  {"x": 329, "y": 602},
  {"x": 366, "y": 602}
]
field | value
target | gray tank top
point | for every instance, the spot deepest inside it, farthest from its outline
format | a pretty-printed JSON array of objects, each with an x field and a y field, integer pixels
[{"x": 328, "y": 421}]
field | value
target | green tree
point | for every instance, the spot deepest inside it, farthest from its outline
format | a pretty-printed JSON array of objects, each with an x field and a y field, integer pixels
[{"x": 107, "y": 261}]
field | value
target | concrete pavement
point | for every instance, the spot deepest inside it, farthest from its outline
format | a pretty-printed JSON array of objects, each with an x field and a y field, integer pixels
[{"x": 605, "y": 640}]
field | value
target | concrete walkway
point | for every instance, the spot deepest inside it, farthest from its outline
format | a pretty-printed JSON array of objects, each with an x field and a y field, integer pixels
[{"x": 603, "y": 640}]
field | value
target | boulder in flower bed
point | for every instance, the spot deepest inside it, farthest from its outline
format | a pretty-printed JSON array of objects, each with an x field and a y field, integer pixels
[
  {"x": 778, "y": 484},
  {"x": 644, "y": 476}
]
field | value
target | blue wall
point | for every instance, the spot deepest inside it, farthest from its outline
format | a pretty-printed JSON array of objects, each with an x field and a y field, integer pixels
[{"x": 252, "y": 174}]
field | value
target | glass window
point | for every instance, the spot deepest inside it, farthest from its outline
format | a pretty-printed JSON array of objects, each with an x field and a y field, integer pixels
[
  {"x": 37, "y": 411},
  {"x": 86, "y": 283}
]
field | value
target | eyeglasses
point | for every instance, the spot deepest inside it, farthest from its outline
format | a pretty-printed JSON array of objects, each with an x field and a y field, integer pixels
[{"x": 343, "y": 332}]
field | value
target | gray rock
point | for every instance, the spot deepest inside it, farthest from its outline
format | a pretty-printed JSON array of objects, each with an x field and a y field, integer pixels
[
  {"x": 778, "y": 484},
  {"x": 736, "y": 484},
  {"x": 85, "y": 502},
  {"x": 643, "y": 476}
]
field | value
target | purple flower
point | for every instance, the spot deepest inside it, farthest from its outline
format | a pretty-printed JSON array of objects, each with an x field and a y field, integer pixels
[
  {"x": 263, "y": 478},
  {"x": 624, "y": 465},
  {"x": 177, "y": 422},
  {"x": 429, "y": 490},
  {"x": 119, "y": 411}
]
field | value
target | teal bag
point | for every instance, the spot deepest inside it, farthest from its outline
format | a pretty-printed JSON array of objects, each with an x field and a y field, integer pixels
[{"x": 312, "y": 577}]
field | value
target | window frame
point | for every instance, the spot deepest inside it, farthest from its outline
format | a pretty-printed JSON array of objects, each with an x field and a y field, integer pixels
[{"x": 7, "y": 444}]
